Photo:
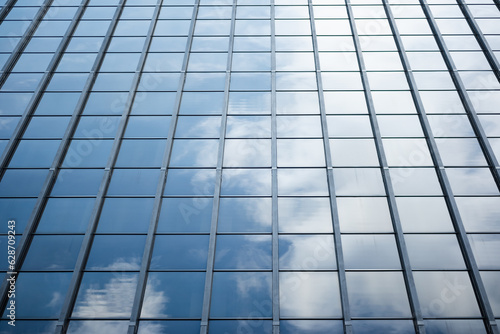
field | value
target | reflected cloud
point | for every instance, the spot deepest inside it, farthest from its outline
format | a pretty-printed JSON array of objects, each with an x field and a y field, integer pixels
[{"x": 106, "y": 295}]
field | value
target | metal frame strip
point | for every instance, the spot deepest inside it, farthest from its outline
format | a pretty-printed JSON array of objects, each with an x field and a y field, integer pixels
[
  {"x": 23, "y": 245},
  {"x": 207, "y": 295},
  {"x": 462, "y": 91},
  {"x": 150, "y": 239},
  {"x": 21, "y": 45},
  {"x": 339, "y": 253},
  {"x": 396, "y": 222}
]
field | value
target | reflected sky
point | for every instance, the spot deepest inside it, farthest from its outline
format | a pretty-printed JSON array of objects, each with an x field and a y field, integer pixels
[
  {"x": 105, "y": 295},
  {"x": 364, "y": 214},
  {"x": 241, "y": 294},
  {"x": 305, "y": 252},
  {"x": 383, "y": 327},
  {"x": 304, "y": 215},
  {"x": 311, "y": 326},
  {"x": 97, "y": 327},
  {"x": 305, "y": 182},
  {"x": 243, "y": 252},
  {"x": 480, "y": 214},
  {"x": 173, "y": 295},
  {"x": 244, "y": 215},
  {"x": 377, "y": 294},
  {"x": 41, "y": 294},
  {"x": 171, "y": 327},
  {"x": 309, "y": 294},
  {"x": 446, "y": 294}
]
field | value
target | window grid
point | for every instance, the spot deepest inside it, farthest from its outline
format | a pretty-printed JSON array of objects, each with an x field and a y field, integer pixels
[{"x": 379, "y": 138}]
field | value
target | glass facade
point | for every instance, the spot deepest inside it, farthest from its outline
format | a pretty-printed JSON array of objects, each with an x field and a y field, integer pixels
[{"x": 250, "y": 166}]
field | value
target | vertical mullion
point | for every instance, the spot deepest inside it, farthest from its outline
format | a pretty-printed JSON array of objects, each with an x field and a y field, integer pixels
[
  {"x": 492, "y": 59},
  {"x": 391, "y": 199},
  {"x": 462, "y": 92},
  {"x": 87, "y": 240},
  {"x": 339, "y": 253},
  {"x": 463, "y": 241},
  {"x": 21, "y": 45},
  {"x": 150, "y": 239},
  {"x": 274, "y": 181},
  {"x": 207, "y": 294},
  {"x": 30, "y": 109},
  {"x": 24, "y": 243},
  {"x": 6, "y": 9}
]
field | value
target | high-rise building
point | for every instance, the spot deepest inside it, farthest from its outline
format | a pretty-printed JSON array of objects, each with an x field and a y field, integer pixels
[{"x": 250, "y": 166}]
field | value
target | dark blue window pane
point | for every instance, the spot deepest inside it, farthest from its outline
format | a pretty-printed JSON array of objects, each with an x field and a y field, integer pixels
[
  {"x": 66, "y": 215},
  {"x": 190, "y": 182},
  {"x": 240, "y": 326},
  {"x": 116, "y": 252},
  {"x": 97, "y": 127},
  {"x": 35, "y": 153},
  {"x": 311, "y": 326},
  {"x": 113, "y": 291},
  {"x": 38, "y": 293},
  {"x": 180, "y": 252},
  {"x": 244, "y": 215},
  {"x": 134, "y": 182},
  {"x": 125, "y": 215},
  {"x": 174, "y": 295},
  {"x": 32, "y": 327},
  {"x": 241, "y": 294},
  {"x": 171, "y": 327},
  {"x": 384, "y": 327},
  {"x": 46, "y": 127},
  {"x": 185, "y": 215},
  {"x": 13, "y": 103},
  {"x": 57, "y": 104},
  {"x": 53, "y": 252},
  {"x": 243, "y": 252},
  {"x": 141, "y": 153},
  {"x": 77, "y": 182},
  {"x": 87, "y": 153},
  {"x": 17, "y": 209},
  {"x": 22, "y": 183},
  {"x": 105, "y": 103}
]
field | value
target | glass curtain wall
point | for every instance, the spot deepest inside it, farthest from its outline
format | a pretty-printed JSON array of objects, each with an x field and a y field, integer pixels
[{"x": 250, "y": 166}]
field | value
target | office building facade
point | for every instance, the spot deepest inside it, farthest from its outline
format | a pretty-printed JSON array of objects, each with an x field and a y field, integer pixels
[{"x": 250, "y": 166}]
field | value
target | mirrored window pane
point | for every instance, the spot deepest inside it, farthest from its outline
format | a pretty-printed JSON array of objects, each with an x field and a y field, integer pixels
[
  {"x": 306, "y": 252},
  {"x": 243, "y": 252},
  {"x": 244, "y": 215},
  {"x": 446, "y": 294},
  {"x": 185, "y": 215},
  {"x": 310, "y": 295},
  {"x": 180, "y": 252},
  {"x": 304, "y": 215},
  {"x": 377, "y": 294},
  {"x": 238, "y": 294},
  {"x": 173, "y": 295},
  {"x": 116, "y": 252}
]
